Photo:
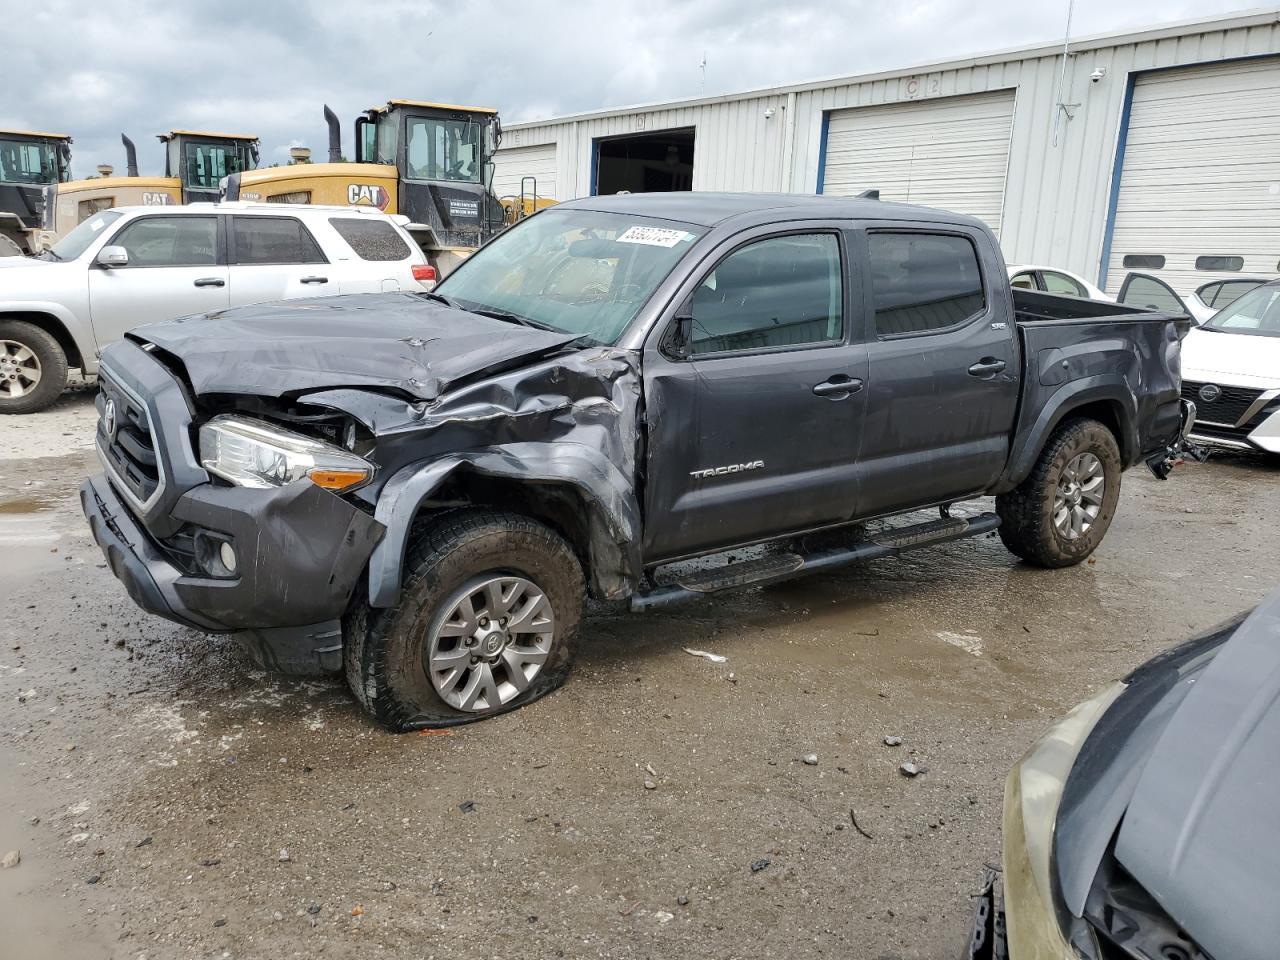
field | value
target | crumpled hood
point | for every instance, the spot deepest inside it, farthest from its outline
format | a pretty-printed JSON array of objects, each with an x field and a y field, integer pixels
[
  {"x": 1200, "y": 832},
  {"x": 391, "y": 340},
  {"x": 1232, "y": 359}
]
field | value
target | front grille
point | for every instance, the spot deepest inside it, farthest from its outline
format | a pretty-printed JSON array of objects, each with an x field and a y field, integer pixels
[
  {"x": 1226, "y": 409},
  {"x": 129, "y": 449}
]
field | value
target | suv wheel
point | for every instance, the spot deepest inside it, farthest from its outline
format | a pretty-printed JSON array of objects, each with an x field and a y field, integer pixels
[
  {"x": 1059, "y": 514},
  {"x": 489, "y": 609},
  {"x": 33, "y": 368}
]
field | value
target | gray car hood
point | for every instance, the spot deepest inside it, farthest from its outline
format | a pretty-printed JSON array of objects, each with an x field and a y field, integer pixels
[
  {"x": 398, "y": 341},
  {"x": 1201, "y": 832}
]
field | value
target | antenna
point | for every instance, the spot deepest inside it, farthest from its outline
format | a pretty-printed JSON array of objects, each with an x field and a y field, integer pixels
[
  {"x": 1062, "y": 106},
  {"x": 703, "y": 67}
]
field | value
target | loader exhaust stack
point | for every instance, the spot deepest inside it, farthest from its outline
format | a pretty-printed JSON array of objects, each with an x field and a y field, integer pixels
[
  {"x": 335, "y": 135},
  {"x": 130, "y": 156}
]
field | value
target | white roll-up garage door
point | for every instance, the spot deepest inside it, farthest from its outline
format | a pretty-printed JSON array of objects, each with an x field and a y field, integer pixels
[
  {"x": 951, "y": 152},
  {"x": 1201, "y": 174},
  {"x": 512, "y": 164}
]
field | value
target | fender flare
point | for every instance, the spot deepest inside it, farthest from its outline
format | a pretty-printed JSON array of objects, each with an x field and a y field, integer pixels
[
  {"x": 84, "y": 340},
  {"x": 613, "y": 514},
  {"x": 1071, "y": 396}
]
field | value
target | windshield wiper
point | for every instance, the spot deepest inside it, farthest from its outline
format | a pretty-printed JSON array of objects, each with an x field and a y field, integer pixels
[
  {"x": 515, "y": 318},
  {"x": 50, "y": 255},
  {"x": 440, "y": 298}
]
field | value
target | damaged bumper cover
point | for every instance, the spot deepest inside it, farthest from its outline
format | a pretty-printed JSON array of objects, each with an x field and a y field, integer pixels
[{"x": 300, "y": 552}]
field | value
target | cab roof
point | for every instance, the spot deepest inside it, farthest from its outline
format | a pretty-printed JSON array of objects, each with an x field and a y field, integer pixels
[
  {"x": 36, "y": 133},
  {"x": 205, "y": 133},
  {"x": 391, "y": 104}
]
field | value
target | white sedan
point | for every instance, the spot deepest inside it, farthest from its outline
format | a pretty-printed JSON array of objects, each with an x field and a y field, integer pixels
[
  {"x": 1231, "y": 371},
  {"x": 1024, "y": 276}
]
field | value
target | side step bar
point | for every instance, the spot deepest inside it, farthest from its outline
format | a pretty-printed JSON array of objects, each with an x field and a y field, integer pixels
[{"x": 785, "y": 566}]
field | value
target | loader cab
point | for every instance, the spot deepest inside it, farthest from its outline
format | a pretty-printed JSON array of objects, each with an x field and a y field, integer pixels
[
  {"x": 29, "y": 162},
  {"x": 443, "y": 155},
  {"x": 201, "y": 160}
]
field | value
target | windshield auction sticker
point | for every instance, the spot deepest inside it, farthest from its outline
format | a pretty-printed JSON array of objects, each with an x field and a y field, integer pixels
[{"x": 653, "y": 236}]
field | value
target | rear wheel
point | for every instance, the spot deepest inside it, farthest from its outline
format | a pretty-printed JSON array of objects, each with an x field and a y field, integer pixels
[
  {"x": 33, "y": 368},
  {"x": 1059, "y": 514},
  {"x": 490, "y": 607}
]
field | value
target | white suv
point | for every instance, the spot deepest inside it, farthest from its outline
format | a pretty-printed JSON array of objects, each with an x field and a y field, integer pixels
[{"x": 132, "y": 265}]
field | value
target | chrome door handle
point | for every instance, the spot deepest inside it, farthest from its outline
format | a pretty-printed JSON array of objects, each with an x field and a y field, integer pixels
[
  {"x": 838, "y": 387},
  {"x": 211, "y": 282},
  {"x": 314, "y": 280},
  {"x": 986, "y": 366}
]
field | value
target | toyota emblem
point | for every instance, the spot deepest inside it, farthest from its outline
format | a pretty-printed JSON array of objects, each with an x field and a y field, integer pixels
[
  {"x": 1210, "y": 392},
  {"x": 109, "y": 419}
]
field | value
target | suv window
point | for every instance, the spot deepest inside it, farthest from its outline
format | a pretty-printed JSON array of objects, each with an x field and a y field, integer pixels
[
  {"x": 274, "y": 240},
  {"x": 778, "y": 292},
  {"x": 170, "y": 241},
  {"x": 371, "y": 239},
  {"x": 1060, "y": 283},
  {"x": 922, "y": 282}
]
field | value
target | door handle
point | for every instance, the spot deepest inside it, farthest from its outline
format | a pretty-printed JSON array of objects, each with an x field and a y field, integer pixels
[
  {"x": 314, "y": 280},
  {"x": 838, "y": 387},
  {"x": 211, "y": 282},
  {"x": 987, "y": 366}
]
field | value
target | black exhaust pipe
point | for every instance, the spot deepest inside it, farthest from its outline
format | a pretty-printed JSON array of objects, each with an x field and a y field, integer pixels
[
  {"x": 335, "y": 135},
  {"x": 130, "y": 156}
]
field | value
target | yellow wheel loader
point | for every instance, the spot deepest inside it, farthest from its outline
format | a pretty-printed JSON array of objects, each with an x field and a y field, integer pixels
[
  {"x": 430, "y": 162},
  {"x": 195, "y": 163},
  {"x": 30, "y": 163}
]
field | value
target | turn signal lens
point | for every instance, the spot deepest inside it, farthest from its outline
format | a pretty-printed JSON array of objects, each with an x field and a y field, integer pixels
[
  {"x": 424, "y": 272},
  {"x": 337, "y": 479}
]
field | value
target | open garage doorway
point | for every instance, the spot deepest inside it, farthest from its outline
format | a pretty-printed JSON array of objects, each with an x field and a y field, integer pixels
[{"x": 644, "y": 163}]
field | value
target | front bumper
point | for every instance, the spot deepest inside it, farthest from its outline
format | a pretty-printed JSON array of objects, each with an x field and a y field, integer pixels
[{"x": 302, "y": 551}]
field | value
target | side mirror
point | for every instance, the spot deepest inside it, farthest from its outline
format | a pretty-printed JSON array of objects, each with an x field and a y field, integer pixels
[
  {"x": 112, "y": 256},
  {"x": 679, "y": 344}
]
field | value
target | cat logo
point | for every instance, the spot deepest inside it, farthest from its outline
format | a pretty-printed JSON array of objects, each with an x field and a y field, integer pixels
[
  {"x": 156, "y": 199},
  {"x": 368, "y": 195}
]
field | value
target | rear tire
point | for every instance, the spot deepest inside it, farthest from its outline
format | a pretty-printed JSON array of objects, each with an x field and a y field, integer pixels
[
  {"x": 439, "y": 658},
  {"x": 1059, "y": 514},
  {"x": 33, "y": 368}
]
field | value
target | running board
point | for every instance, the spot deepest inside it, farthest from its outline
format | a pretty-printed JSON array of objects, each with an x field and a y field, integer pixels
[{"x": 785, "y": 566}]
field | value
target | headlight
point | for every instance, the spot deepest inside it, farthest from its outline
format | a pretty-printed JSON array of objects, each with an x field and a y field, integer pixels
[
  {"x": 1031, "y": 798},
  {"x": 251, "y": 453}
]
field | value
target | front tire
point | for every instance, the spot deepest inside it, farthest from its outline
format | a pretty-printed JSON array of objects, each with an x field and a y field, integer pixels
[
  {"x": 1059, "y": 514},
  {"x": 489, "y": 610},
  {"x": 33, "y": 368}
]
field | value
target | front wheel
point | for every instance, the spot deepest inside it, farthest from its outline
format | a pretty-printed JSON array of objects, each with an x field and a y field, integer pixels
[
  {"x": 490, "y": 607},
  {"x": 1059, "y": 514}
]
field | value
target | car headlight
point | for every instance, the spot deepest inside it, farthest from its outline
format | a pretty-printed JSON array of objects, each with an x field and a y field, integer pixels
[
  {"x": 1032, "y": 795},
  {"x": 252, "y": 453}
]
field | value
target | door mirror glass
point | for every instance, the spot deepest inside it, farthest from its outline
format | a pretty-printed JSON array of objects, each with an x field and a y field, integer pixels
[{"x": 113, "y": 256}]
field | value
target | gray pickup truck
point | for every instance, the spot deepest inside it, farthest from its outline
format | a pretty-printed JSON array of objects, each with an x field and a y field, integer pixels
[{"x": 422, "y": 489}]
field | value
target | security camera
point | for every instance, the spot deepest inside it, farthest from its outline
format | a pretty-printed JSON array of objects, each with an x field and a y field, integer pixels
[{"x": 1098, "y": 74}]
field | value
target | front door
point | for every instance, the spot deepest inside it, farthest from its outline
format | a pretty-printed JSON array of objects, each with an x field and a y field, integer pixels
[
  {"x": 943, "y": 377},
  {"x": 754, "y": 432},
  {"x": 174, "y": 271}
]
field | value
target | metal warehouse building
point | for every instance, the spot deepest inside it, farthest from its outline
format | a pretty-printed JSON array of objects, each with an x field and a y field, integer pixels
[{"x": 1161, "y": 146}]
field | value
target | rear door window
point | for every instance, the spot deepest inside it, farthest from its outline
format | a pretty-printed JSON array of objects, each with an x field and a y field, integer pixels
[
  {"x": 258, "y": 241},
  {"x": 1060, "y": 283},
  {"x": 1026, "y": 280},
  {"x": 371, "y": 239},
  {"x": 778, "y": 292},
  {"x": 922, "y": 282},
  {"x": 1139, "y": 290}
]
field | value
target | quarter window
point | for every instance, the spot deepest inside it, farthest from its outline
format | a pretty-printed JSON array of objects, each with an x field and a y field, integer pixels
[
  {"x": 923, "y": 282},
  {"x": 170, "y": 241},
  {"x": 1143, "y": 261},
  {"x": 272, "y": 240},
  {"x": 779, "y": 292},
  {"x": 1023, "y": 281},
  {"x": 371, "y": 239},
  {"x": 1060, "y": 283},
  {"x": 1230, "y": 264}
]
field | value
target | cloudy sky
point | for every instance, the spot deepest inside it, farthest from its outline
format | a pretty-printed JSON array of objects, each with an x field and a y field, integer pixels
[{"x": 267, "y": 66}]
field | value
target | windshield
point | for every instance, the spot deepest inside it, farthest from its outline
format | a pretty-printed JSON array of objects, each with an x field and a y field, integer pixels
[
  {"x": 576, "y": 271},
  {"x": 1257, "y": 312},
  {"x": 77, "y": 241},
  {"x": 441, "y": 149},
  {"x": 27, "y": 161},
  {"x": 205, "y": 164}
]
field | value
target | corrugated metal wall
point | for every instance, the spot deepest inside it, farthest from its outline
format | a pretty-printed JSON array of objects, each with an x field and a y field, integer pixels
[{"x": 1057, "y": 196}]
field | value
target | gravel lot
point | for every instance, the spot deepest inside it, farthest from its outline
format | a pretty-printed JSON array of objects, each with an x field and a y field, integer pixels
[{"x": 170, "y": 801}]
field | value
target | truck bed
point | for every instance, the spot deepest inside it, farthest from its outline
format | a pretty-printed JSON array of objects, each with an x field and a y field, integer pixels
[{"x": 1032, "y": 306}]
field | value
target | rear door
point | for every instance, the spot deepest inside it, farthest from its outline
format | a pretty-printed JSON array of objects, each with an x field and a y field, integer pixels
[
  {"x": 275, "y": 258},
  {"x": 943, "y": 373},
  {"x": 175, "y": 269},
  {"x": 1144, "y": 290},
  {"x": 756, "y": 432}
]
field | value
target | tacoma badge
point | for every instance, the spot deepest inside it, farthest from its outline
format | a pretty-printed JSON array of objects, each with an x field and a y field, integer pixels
[{"x": 729, "y": 468}]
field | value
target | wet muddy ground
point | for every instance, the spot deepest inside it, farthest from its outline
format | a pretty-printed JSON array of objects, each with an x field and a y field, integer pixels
[{"x": 170, "y": 801}]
